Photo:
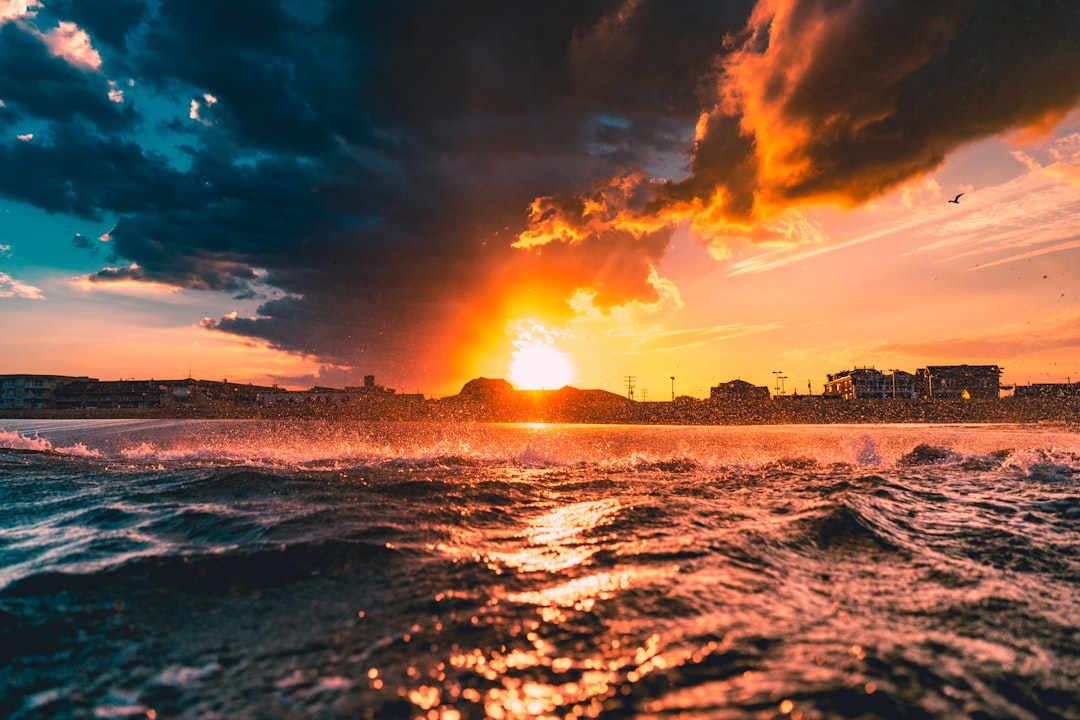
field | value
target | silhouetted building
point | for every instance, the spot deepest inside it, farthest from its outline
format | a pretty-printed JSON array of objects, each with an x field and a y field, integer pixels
[
  {"x": 1047, "y": 390},
  {"x": 738, "y": 391},
  {"x": 31, "y": 392},
  {"x": 858, "y": 383},
  {"x": 89, "y": 394},
  {"x": 95, "y": 394},
  {"x": 368, "y": 388},
  {"x": 326, "y": 396},
  {"x": 960, "y": 381},
  {"x": 903, "y": 385}
]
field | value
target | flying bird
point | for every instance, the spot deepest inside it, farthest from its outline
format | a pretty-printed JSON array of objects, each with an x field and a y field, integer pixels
[{"x": 956, "y": 199}]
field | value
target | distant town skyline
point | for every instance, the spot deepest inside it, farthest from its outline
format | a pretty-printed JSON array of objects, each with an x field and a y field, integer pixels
[
  {"x": 685, "y": 193},
  {"x": 858, "y": 381}
]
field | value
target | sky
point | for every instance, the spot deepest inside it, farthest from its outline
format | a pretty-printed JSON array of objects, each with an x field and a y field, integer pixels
[{"x": 664, "y": 193}]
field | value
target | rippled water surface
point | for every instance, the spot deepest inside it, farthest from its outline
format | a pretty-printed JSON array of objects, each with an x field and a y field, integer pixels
[{"x": 247, "y": 569}]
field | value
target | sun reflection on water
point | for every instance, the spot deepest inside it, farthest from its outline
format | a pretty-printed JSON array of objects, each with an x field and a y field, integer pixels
[{"x": 541, "y": 672}]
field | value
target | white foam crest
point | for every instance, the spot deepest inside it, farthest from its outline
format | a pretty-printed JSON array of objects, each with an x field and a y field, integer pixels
[
  {"x": 265, "y": 454},
  {"x": 150, "y": 452},
  {"x": 618, "y": 448},
  {"x": 1044, "y": 465},
  {"x": 14, "y": 440},
  {"x": 79, "y": 450}
]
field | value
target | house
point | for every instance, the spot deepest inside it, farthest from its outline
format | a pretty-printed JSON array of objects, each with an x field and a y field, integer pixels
[
  {"x": 859, "y": 383},
  {"x": 29, "y": 392},
  {"x": 1047, "y": 390},
  {"x": 904, "y": 385},
  {"x": 87, "y": 393},
  {"x": 738, "y": 391},
  {"x": 960, "y": 381}
]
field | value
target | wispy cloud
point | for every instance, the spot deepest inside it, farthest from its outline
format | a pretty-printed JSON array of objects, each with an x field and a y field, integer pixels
[
  {"x": 1003, "y": 343},
  {"x": 10, "y": 287},
  {"x": 1036, "y": 213},
  {"x": 128, "y": 280},
  {"x": 654, "y": 338}
]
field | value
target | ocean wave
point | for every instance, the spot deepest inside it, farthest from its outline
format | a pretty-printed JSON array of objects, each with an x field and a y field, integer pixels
[
  {"x": 609, "y": 449},
  {"x": 14, "y": 440},
  {"x": 665, "y": 573},
  {"x": 233, "y": 572}
]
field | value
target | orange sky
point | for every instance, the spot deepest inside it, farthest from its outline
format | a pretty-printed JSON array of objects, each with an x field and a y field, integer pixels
[{"x": 764, "y": 196}]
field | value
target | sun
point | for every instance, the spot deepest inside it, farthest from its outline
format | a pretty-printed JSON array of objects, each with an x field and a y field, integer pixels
[{"x": 539, "y": 366}]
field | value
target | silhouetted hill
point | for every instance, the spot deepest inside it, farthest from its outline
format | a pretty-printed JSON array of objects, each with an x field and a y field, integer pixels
[
  {"x": 487, "y": 389},
  {"x": 486, "y": 399}
]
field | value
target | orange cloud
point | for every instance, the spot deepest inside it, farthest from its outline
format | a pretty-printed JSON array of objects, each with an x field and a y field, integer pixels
[
  {"x": 15, "y": 9},
  {"x": 616, "y": 204},
  {"x": 70, "y": 42},
  {"x": 832, "y": 103}
]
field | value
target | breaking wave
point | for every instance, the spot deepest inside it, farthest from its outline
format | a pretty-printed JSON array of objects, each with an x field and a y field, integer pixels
[{"x": 267, "y": 570}]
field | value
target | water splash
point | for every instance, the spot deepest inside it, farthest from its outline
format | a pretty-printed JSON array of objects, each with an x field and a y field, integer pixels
[
  {"x": 14, "y": 440},
  {"x": 865, "y": 451}
]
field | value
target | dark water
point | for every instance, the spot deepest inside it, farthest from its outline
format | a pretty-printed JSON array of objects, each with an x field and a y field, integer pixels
[{"x": 260, "y": 570}]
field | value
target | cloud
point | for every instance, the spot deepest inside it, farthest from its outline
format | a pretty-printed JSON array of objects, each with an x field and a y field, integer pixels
[
  {"x": 46, "y": 86},
  {"x": 1008, "y": 342},
  {"x": 70, "y": 42},
  {"x": 651, "y": 339},
  {"x": 10, "y": 287},
  {"x": 130, "y": 280},
  {"x": 15, "y": 9},
  {"x": 1064, "y": 156},
  {"x": 407, "y": 173},
  {"x": 845, "y": 100},
  {"x": 839, "y": 102},
  {"x": 78, "y": 172},
  {"x": 83, "y": 243}
]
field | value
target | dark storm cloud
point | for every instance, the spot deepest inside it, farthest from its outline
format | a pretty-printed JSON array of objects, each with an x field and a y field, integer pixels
[
  {"x": 82, "y": 242},
  {"x": 839, "y": 101},
  {"x": 36, "y": 84},
  {"x": 73, "y": 170},
  {"x": 280, "y": 87},
  {"x": 877, "y": 92},
  {"x": 373, "y": 163},
  {"x": 108, "y": 23}
]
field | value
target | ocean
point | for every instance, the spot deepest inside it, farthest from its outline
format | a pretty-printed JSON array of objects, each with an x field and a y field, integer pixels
[{"x": 261, "y": 569}]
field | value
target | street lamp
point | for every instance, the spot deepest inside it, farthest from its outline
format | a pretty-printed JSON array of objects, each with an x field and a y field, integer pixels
[
  {"x": 893, "y": 371},
  {"x": 777, "y": 373},
  {"x": 672, "y": 388}
]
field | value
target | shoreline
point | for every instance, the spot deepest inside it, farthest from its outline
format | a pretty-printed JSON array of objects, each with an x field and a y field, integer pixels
[{"x": 777, "y": 411}]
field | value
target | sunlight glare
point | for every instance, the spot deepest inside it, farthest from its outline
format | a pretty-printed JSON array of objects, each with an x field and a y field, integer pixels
[{"x": 539, "y": 366}]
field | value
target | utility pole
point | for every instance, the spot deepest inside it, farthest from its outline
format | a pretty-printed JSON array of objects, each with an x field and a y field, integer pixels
[{"x": 630, "y": 380}]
